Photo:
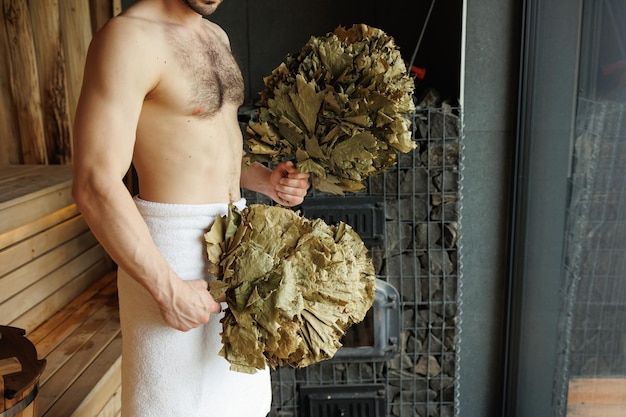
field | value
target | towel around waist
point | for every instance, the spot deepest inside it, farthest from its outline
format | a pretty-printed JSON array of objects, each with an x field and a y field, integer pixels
[{"x": 178, "y": 231}]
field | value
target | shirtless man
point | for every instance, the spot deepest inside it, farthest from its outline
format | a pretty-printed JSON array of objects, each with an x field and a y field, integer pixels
[{"x": 161, "y": 90}]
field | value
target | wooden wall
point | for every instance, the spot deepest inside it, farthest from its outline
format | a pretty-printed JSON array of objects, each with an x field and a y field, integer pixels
[{"x": 43, "y": 44}]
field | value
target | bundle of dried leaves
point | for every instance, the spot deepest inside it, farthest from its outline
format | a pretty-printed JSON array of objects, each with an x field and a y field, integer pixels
[
  {"x": 293, "y": 286},
  {"x": 339, "y": 108}
]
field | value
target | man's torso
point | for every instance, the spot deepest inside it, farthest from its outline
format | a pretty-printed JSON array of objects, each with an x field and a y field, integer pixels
[{"x": 189, "y": 144}]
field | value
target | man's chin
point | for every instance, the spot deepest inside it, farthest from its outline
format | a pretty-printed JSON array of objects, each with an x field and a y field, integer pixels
[{"x": 202, "y": 7}]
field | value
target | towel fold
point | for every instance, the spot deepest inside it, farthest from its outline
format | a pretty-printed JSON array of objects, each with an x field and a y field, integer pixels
[{"x": 166, "y": 372}]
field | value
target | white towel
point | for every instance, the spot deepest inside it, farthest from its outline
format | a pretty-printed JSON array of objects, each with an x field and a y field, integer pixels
[{"x": 169, "y": 373}]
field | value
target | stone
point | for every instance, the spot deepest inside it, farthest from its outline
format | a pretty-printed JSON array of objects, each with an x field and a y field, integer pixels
[
  {"x": 405, "y": 265},
  {"x": 437, "y": 262},
  {"x": 398, "y": 238},
  {"x": 427, "y": 366},
  {"x": 427, "y": 235},
  {"x": 408, "y": 209}
]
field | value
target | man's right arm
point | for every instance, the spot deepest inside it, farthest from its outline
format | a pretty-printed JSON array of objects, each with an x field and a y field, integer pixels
[{"x": 115, "y": 83}]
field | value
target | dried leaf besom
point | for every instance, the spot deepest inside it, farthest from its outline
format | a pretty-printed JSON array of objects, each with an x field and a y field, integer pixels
[
  {"x": 293, "y": 286},
  {"x": 339, "y": 109}
]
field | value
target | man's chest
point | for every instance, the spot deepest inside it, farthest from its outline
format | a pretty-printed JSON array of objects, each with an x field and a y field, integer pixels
[{"x": 202, "y": 76}]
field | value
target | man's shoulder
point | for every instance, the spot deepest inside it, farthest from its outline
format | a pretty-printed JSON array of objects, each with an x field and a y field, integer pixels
[
  {"x": 127, "y": 38},
  {"x": 218, "y": 31},
  {"x": 129, "y": 25},
  {"x": 125, "y": 45}
]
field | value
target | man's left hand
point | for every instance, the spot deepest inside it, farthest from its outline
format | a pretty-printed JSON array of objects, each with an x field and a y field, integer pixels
[{"x": 290, "y": 186}]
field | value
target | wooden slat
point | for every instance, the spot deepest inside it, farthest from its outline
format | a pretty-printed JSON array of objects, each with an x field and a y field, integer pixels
[
  {"x": 30, "y": 229},
  {"x": 19, "y": 183},
  {"x": 117, "y": 7},
  {"x": 596, "y": 410},
  {"x": 10, "y": 171},
  {"x": 597, "y": 391},
  {"x": 113, "y": 407},
  {"x": 9, "y": 143},
  {"x": 74, "y": 376},
  {"x": 47, "y": 308},
  {"x": 105, "y": 285},
  {"x": 101, "y": 11},
  {"x": 17, "y": 255},
  {"x": 52, "y": 80},
  {"x": 596, "y": 397},
  {"x": 83, "y": 386},
  {"x": 49, "y": 285},
  {"x": 25, "y": 81},
  {"x": 30, "y": 211},
  {"x": 29, "y": 193},
  {"x": 70, "y": 325},
  {"x": 104, "y": 319},
  {"x": 82, "y": 346},
  {"x": 106, "y": 393},
  {"x": 16, "y": 281},
  {"x": 76, "y": 35}
]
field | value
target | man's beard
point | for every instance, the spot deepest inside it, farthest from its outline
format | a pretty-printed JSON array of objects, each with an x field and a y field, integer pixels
[{"x": 200, "y": 8}]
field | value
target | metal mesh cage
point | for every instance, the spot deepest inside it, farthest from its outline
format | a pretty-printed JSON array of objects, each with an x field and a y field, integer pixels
[{"x": 417, "y": 253}]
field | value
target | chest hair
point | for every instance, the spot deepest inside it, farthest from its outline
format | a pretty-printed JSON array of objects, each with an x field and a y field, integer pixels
[{"x": 210, "y": 70}]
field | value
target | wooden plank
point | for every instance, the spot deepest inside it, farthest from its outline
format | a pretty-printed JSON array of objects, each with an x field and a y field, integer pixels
[
  {"x": 8, "y": 172},
  {"x": 64, "y": 340},
  {"x": 52, "y": 80},
  {"x": 21, "y": 253},
  {"x": 76, "y": 35},
  {"x": 9, "y": 134},
  {"x": 29, "y": 229},
  {"x": 597, "y": 391},
  {"x": 28, "y": 193},
  {"x": 51, "y": 333},
  {"x": 16, "y": 281},
  {"x": 113, "y": 407},
  {"x": 52, "y": 304},
  {"x": 106, "y": 393},
  {"x": 596, "y": 397},
  {"x": 25, "y": 81},
  {"x": 106, "y": 284},
  {"x": 117, "y": 7},
  {"x": 23, "y": 183},
  {"x": 56, "y": 281},
  {"x": 101, "y": 11},
  {"x": 31, "y": 210},
  {"x": 596, "y": 410},
  {"x": 60, "y": 395},
  {"x": 104, "y": 319},
  {"x": 70, "y": 326},
  {"x": 83, "y": 386}
]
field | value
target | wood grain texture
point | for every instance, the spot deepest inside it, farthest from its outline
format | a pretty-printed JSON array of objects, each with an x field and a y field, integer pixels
[
  {"x": 76, "y": 34},
  {"x": 24, "y": 81},
  {"x": 596, "y": 397},
  {"x": 52, "y": 79}
]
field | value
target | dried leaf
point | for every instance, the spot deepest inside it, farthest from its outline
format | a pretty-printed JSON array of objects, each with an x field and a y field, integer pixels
[
  {"x": 295, "y": 287},
  {"x": 346, "y": 86}
]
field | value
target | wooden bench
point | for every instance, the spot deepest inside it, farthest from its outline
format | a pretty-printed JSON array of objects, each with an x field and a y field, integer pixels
[{"x": 58, "y": 284}]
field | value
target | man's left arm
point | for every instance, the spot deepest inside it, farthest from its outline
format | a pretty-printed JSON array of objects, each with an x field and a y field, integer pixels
[{"x": 284, "y": 184}]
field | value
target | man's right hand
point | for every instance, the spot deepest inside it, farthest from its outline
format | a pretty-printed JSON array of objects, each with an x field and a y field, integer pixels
[{"x": 190, "y": 305}]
